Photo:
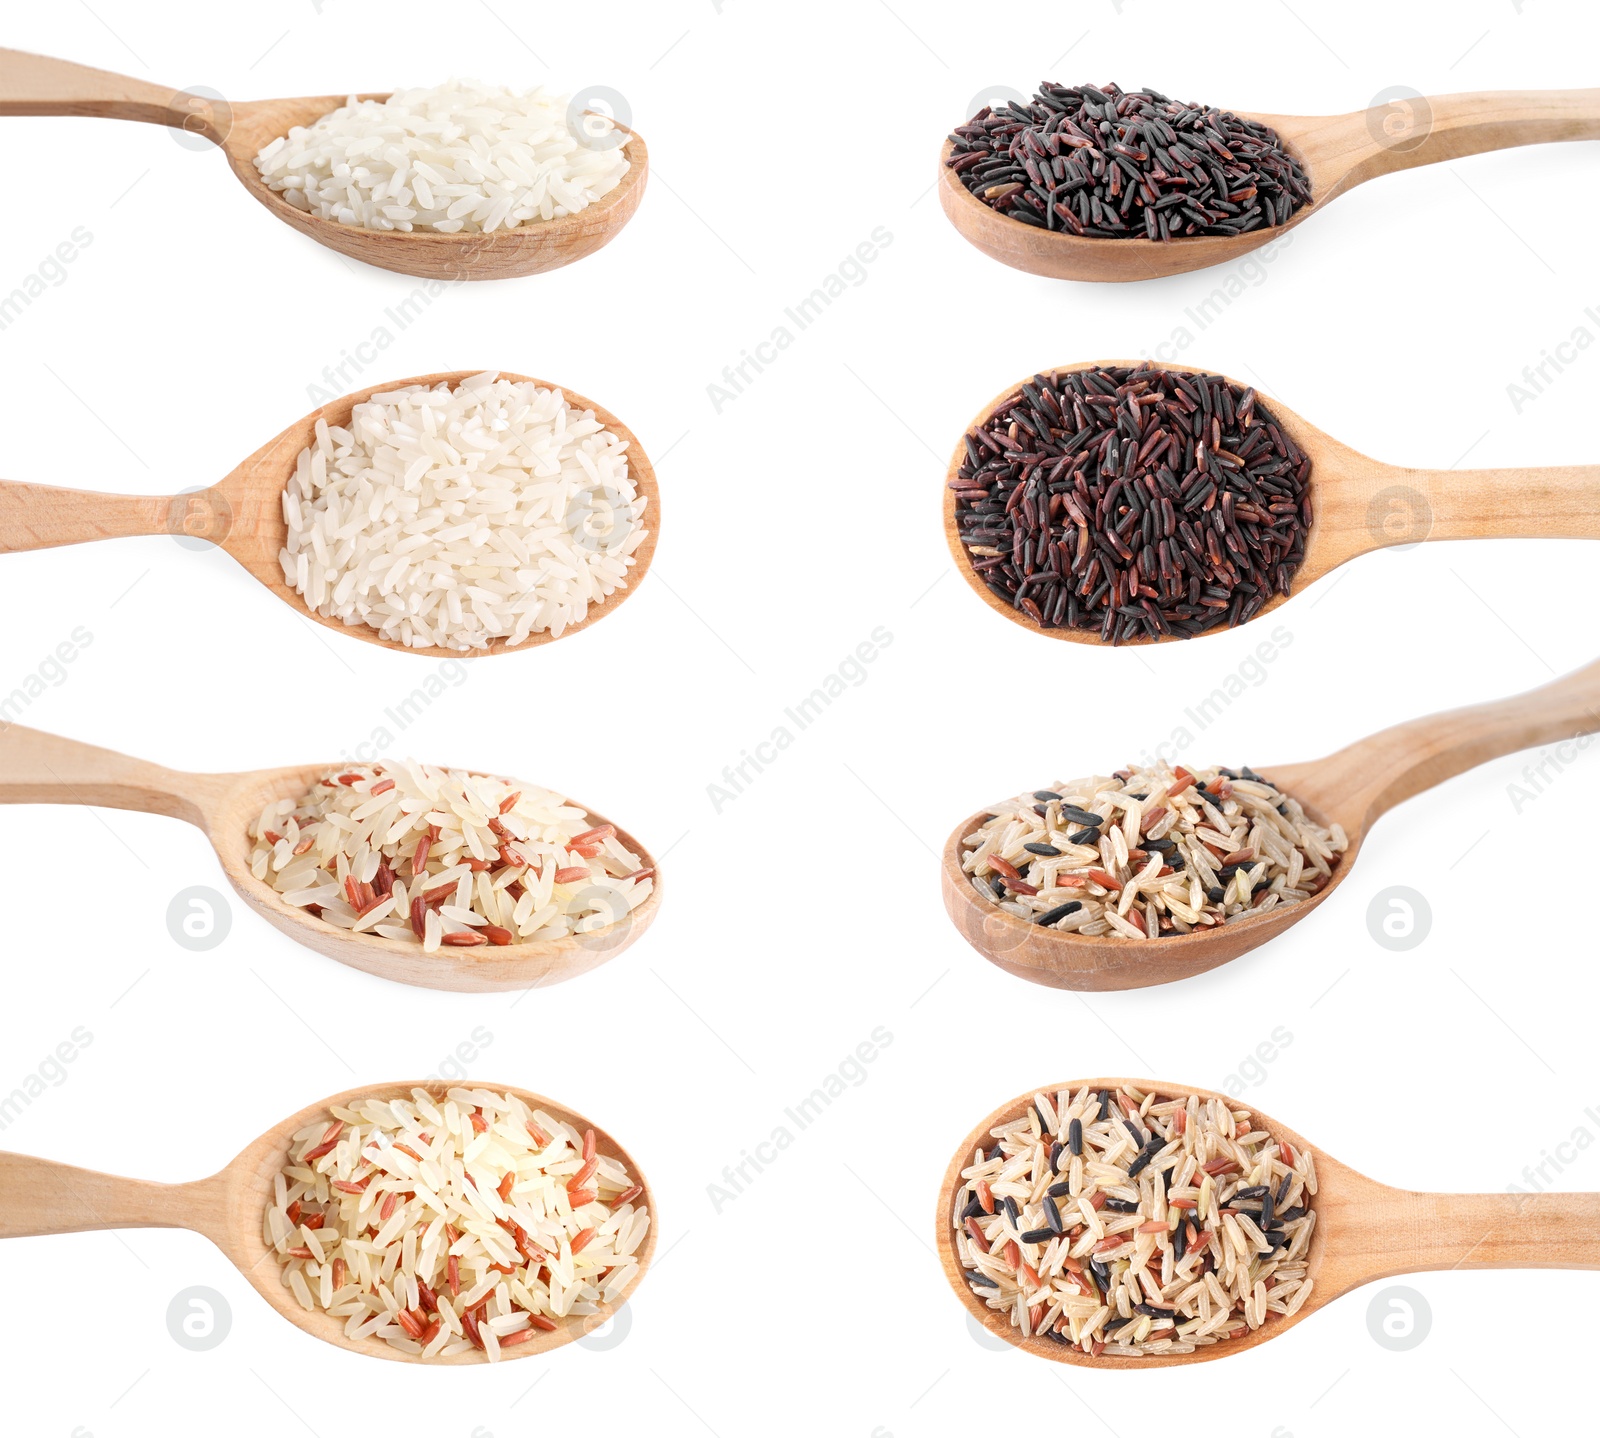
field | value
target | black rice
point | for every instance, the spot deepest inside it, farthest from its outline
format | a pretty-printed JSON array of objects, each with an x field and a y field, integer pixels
[
  {"x": 1127, "y": 165},
  {"x": 1137, "y": 502}
]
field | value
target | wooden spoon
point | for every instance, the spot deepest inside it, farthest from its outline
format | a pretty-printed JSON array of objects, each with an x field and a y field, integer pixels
[
  {"x": 38, "y": 1196},
  {"x": 1353, "y": 788},
  {"x": 244, "y": 514},
  {"x": 1365, "y": 1231},
  {"x": 1337, "y": 152},
  {"x": 39, "y": 768},
  {"x": 1359, "y": 505},
  {"x": 39, "y": 85}
]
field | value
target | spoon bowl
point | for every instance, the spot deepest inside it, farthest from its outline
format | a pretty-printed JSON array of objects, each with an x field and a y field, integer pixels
[
  {"x": 243, "y": 514},
  {"x": 39, "y": 1197},
  {"x": 1353, "y": 788},
  {"x": 1359, "y": 505},
  {"x": 39, "y": 768},
  {"x": 39, "y": 85},
  {"x": 1337, "y": 153},
  {"x": 1365, "y": 1231}
]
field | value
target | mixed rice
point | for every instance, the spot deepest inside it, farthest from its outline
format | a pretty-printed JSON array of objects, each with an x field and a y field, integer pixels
[
  {"x": 440, "y": 1225},
  {"x": 1150, "y": 852},
  {"x": 1124, "y": 1223},
  {"x": 445, "y": 858}
]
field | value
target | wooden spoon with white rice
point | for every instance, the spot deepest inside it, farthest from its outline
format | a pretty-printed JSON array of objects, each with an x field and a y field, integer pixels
[
  {"x": 571, "y": 523},
  {"x": 40, "y": 85}
]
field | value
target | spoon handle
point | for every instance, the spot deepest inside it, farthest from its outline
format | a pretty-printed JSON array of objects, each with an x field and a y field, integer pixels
[
  {"x": 40, "y": 85},
  {"x": 38, "y": 1196},
  {"x": 1360, "y": 783},
  {"x": 39, "y": 768},
  {"x": 1404, "y": 506},
  {"x": 1405, "y": 1232},
  {"x": 1426, "y": 130},
  {"x": 39, "y": 516}
]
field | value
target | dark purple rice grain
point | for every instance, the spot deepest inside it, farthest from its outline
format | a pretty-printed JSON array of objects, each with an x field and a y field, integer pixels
[
  {"x": 1127, "y": 165},
  {"x": 1140, "y": 503},
  {"x": 1148, "y": 1152},
  {"x": 1057, "y": 914}
]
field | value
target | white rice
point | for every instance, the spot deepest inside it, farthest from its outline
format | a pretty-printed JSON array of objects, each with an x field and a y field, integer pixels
[
  {"x": 1150, "y": 852},
  {"x": 501, "y": 862},
  {"x": 1124, "y": 1222},
  {"x": 462, "y": 157},
  {"x": 454, "y": 517},
  {"x": 392, "y": 1215}
]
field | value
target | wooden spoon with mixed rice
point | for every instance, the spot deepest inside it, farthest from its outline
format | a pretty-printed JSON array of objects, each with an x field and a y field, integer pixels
[
  {"x": 1122, "y": 1223},
  {"x": 1155, "y": 874}
]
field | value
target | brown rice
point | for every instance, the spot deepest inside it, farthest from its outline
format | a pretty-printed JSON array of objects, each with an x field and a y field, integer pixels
[
  {"x": 443, "y": 1224},
  {"x": 445, "y": 858}
]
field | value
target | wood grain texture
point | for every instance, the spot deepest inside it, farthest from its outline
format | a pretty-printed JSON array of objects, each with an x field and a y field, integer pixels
[
  {"x": 38, "y": 1196},
  {"x": 243, "y": 514},
  {"x": 40, "y": 768},
  {"x": 1359, "y": 505},
  {"x": 1365, "y": 1231},
  {"x": 1337, "y": 152},
  {"x": 1354, "y": 787},
  {"x": 40, "y": 85}
]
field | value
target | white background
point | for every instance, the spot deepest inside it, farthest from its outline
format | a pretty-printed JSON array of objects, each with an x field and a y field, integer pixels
[{"x": 804, "y": 515}]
